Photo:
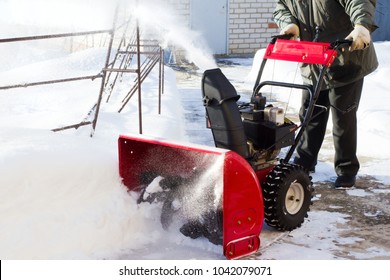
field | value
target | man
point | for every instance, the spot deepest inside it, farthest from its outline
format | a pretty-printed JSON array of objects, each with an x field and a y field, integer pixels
[{"x": 328, "y": 21}]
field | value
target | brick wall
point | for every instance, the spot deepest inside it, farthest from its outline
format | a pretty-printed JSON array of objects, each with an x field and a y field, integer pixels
[
  {"x": 182, "y": 9},
  {"x": 250, "y": 25}
]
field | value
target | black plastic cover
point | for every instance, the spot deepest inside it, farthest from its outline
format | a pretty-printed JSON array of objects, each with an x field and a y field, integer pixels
[{"x": 220, "y": 100}]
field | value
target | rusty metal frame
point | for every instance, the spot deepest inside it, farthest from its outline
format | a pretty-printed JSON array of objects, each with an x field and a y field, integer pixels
[
  {"x": 99, "y": 101},
  {"x": 132, "y": 48},
  {"x": 156, "y": 55},
  {"x": 72, "y": 79},
  {"x": 24, "y": 85},
  {"x": 53, "y": 36}
]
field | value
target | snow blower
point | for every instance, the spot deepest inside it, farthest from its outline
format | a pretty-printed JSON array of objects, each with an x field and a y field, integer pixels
[{"x": 225, "y": 193}]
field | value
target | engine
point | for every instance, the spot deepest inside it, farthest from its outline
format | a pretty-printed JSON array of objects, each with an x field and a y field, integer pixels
[
  {"x": 266, "y": 129},
  {"x": 254, "y": 130}
]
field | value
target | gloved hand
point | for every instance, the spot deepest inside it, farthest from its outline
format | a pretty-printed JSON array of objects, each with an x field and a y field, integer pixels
[
  {"x": 291, "y": 29},
  {"x": 360, "y": 37}
]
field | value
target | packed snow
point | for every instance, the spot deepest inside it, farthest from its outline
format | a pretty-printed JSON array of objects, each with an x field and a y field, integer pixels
[{"x": 61, "y": 196}]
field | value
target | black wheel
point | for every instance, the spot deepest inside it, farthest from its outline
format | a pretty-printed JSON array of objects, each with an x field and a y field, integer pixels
[{"x": 287, "y": 194}]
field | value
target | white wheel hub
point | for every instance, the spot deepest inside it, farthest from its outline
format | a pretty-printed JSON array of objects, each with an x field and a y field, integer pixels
[{"x": 294, "y": 198}]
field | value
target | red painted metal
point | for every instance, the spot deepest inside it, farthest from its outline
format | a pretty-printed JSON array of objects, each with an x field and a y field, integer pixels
[
  {"x": 301, "y": 51},
  {"x": 262, "y": 173},
  {"x": 242, "y": 201},
  {"x": 243, "y": 208},
  {"x": 139, "y": 154}
]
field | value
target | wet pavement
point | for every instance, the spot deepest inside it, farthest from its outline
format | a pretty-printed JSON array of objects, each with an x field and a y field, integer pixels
[{"x": 367, "y": 207}]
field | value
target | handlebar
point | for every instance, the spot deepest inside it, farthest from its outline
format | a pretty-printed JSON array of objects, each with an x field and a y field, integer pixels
[
  {"x": 338, "y": 44},
  {"x": 281, "y": 37}
]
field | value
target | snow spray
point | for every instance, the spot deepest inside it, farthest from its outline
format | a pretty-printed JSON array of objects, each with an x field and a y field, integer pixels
[
  {"x": 190, "y": 201},
  {"x": 158, "y": 18}
]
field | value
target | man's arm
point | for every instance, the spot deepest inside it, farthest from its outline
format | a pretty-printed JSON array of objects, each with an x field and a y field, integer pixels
[
  {"x": 362, "y": 15},
  {"x": 282, "y": 15},
  {"x": 361, "y": 12}
]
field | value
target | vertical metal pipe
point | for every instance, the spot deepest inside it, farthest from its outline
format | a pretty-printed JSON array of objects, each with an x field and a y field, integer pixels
[
  {"x": 161, "y": 65},
  {"x": 99, "y": 101},
  {"x": 163, "y": 74},
  {"x": 139, "y": 78}
]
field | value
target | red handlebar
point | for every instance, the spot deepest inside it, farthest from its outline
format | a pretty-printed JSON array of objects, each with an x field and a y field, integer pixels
[{"x": 302, "y": 51}]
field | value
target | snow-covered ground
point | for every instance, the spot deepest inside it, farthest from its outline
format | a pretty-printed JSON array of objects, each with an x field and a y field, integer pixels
[{"x": 61, "y": 196}]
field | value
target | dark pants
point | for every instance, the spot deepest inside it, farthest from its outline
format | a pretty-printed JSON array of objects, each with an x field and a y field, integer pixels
[{"x": 343, "y": 103}]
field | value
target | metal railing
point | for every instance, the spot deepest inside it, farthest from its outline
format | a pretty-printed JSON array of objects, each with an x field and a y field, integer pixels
[{"x": 120, "y": 65}]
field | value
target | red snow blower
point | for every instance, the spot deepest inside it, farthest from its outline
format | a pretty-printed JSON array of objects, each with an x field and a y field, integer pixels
[{"x": 225, "y": 193}]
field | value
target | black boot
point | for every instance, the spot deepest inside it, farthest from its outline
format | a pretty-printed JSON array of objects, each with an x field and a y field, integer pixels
[{"x": 345, "y": 182}]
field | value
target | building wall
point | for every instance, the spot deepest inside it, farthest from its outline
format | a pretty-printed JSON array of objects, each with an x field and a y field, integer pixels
[
  {"x": 250, "y": 25},
  {"x": 182, "y": 8}
]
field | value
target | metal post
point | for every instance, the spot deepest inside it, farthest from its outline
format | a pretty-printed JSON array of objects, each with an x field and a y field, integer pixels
[
  {"x": 148, "y": 66},
  {"x": 163, "y": 74},
  {"x": 160, "y": 76},
  {"x": 139, "y": 78},
  {"x": 99, "y": 101}
]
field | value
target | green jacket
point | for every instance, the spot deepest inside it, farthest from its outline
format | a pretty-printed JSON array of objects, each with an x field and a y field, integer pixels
[{"x": 335, "y": 19}]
